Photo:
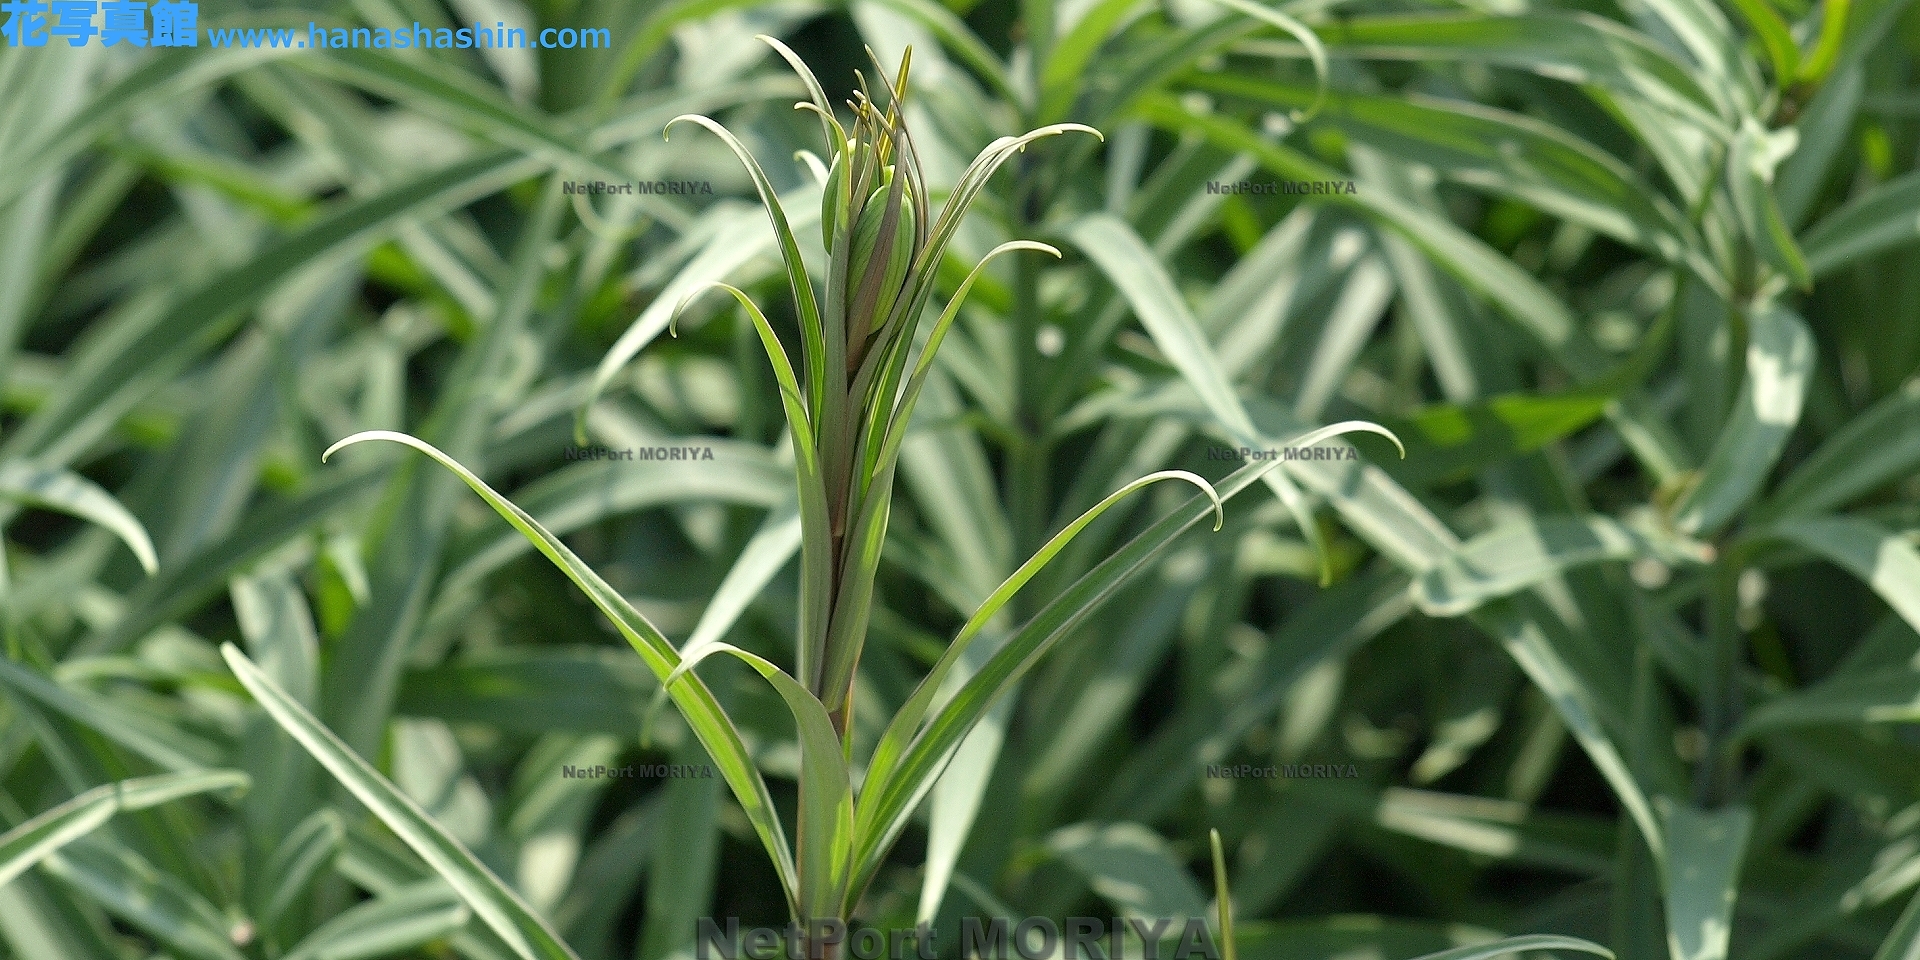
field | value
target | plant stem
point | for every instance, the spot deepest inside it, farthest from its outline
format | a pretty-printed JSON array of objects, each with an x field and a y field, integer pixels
[
  {"x": 1027, "y": 478},
  {"x": 1719, "y": 684}
]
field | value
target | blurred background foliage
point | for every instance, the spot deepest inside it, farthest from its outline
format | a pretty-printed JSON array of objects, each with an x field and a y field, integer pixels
[{"x": 1624, "y": 649}]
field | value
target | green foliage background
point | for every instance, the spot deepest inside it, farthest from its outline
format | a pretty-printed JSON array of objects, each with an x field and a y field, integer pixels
[{"x": 1624, "y": 649}]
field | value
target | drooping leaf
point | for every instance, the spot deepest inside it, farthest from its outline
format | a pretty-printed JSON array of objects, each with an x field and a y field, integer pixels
[
  {"x": 503, "y": 910},
  {"x": 29, "y": 843},
  {"x": 696, "y": 702},
  {"x": 70, "y": 493}
]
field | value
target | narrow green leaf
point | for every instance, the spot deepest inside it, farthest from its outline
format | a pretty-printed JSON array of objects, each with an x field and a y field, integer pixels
[
  {"x": 1823, "y": 127},
  {"x": 1833, "y": 34},
  {"x": 109, "y": 374},
  {"x": 157, "y": 902},
  {"x": 1131, "y": 867},
  {"x": 299, "y": 858},
  {"x": 1499, "y": 829},
  {"x": 904, "y": 728},
  {"x": 1516, "y": 945},
  {"x": 711, "y": 724},
  {"x": 1775, "y": 37},
  {"x": 1873, "y": 449},
  {"x": 1532, "y": 635},
  {"x": 1881, "y": 696},
  {"x": 741, "y": 237},
  {"x": 1451, "y": 442},
  {"x": 890, "y": 795},
  {"x": 433, "y": 87},
  {"x": 1903, "y": 941},
  {"x": 1495, "y": 151},
  {"x": 771, "y": 547},
  {"x": 1067, "y": 61},
  {"x": 954, "y": 34},
  {"x": 1524, "y": 552},
  {"x": 533, "y": 690},
  {"x": 278, "y": 627},
  {"x": 1222, "y": 897},
  {"x": 1886, "y": 561},
  {"x": 581, "y": 494},
  {"x": 1316, "y": 51},
  {"x": 826, "y": 788},
  {"x": 1578, "y": 48},
  {"x": 70, "y": 493},
  {"x": 1119, "y": 252},
  {"x": 389, "y": 924},
  {"x": 1351, "y": 935},
  {"x": 31, "y": 842},
  {"x": 816, "y": 573},
  {"x": 819, "y": 361},
  {"x": 139, "y": 730},
  {"x": 1519, "y": 295},
  {"x": 903, "y": 414},
  {"x": 1780, "y": 358},
  {"x": 181, "y": 586},
  {"x": 1702, "y": 873},
  {"x": 167, "y": 76},
  {"x": 1880, "y": 220},
  {"x": 496, "y": 903}
]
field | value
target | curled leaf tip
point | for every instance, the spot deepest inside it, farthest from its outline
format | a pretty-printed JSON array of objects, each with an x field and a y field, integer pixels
[
  {"x": 666, "y": 132},
  {"x": 348, "y": 441},
  {"x": 1219, "y": 508}
]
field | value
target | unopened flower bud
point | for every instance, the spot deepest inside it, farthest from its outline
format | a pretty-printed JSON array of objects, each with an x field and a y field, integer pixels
[
  {"x": 833, "y": 199},
  {"x": 876, "y": 278}
]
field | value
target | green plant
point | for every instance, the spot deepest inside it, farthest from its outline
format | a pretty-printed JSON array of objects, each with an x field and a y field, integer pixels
[
  {"x": 846, "y": 440},
  {"x": 1621, "y": 650}
]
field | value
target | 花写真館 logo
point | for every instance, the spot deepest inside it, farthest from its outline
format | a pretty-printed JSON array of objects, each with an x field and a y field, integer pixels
[
  {"x": 176, "y": 23},
  {"x": 32, "y": 23}
]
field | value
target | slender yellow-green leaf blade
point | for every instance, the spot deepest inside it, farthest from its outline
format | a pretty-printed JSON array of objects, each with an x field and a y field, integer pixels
[
  {"x": 826, "y": 789},
  {"x": 703, "y": 713},
  {"x": 906, "y": 721},
  {"x": 31, "y": 842},
  {"x": 497, "y": 904}
]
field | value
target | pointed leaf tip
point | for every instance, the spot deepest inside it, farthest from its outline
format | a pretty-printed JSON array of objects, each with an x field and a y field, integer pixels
[{"x": 369, "y": 435}]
